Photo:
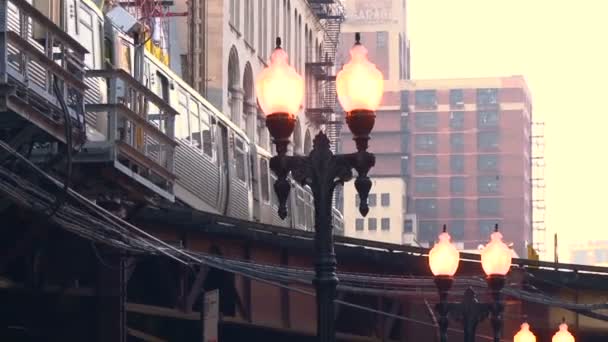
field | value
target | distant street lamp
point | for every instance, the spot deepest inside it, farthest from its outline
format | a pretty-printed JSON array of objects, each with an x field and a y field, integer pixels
[
  {"x": 524, "y": 334},
  {"x": 280, "y": 92},
  {"x": 495, "y": 260},
  {"x": 563, "y": 335}
]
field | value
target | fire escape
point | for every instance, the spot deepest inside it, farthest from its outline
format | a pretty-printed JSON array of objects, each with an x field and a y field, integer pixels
[{"x": 322, "y": 108}]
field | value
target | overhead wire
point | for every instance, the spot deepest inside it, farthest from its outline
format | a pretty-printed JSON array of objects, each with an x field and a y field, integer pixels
[{"x": 254, "y": 271}]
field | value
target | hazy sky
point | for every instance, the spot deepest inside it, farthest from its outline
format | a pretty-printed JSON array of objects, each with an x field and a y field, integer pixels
[{"x": 561, "y": 48}]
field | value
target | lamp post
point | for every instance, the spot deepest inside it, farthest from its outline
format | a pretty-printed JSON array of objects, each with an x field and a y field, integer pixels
[
  {"x": 495, "y": 260},
  {"x": 280, "y": 92}
]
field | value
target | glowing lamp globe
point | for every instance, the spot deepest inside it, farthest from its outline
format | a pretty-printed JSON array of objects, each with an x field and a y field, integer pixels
[
  {"x": 359, "y": 84},
  {"x": 563, "y": 335},
  {"x": 524, "y": 334},
  {"x": 444, "y": 257},
  {"x": 496, "y": 256},
  {"x": 279, "y": 88}
]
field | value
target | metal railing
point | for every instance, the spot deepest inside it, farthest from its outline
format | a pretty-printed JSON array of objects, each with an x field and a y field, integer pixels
[
  {"x": 139, "y": 123},
  {"x": 38, "y": 53}
]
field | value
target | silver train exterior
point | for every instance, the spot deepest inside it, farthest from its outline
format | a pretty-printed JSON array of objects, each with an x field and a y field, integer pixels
[{"x": 218, "y": 168}]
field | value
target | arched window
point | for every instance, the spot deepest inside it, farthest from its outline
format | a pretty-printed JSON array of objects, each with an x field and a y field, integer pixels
[
  {"x": 248, "y": 120},
  {"x": 234, "y": 86}
]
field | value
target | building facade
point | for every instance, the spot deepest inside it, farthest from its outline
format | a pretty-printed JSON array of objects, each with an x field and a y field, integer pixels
[
  {"x": 382, "y": 25},
  {"x": 387, "y": 208},
  {"x": 229, "y": 42},
  {"x": 463, "y": 148},
  {"x": 468, "y": 165}
]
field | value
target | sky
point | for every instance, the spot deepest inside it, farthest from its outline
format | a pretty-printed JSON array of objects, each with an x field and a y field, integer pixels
[{"x": 561, "y": 48}]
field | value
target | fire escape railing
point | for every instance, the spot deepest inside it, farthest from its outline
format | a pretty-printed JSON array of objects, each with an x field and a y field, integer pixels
[{"x": 323, "y": 108}]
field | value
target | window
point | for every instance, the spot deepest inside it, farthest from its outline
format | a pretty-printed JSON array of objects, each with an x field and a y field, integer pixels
[
  {"x": 405, "y": 142},
  {"x": 428, "y": 231},
  {"x": 457, "y": 163},
  {"x": 488, "y": 96},
  {"x": 264, "y": 182},
  {"x": 182, "y": 130},
  {"x": 359, "y": 224},
  {"x": 248, "y": 22},
  {"x": 239, "y": 158},
  {"x": 426, "y": 120},
  {"x": 371, "y": 223},
  {"x": 195, "y": 124},
  {"x": 487, "y": 162},
  {"x": 408, "y": 226},
  {"x": 488, "y": 206},
  {"x": 207, "y": 131},
  {"x": 426, "y": 142},
  {"x": 487, "y": 118},
  {"x": 385, "y": 199},
  {"x": 381, "y": 39},
  {"x": 357, "y": 200},
  {"x": 404, "y": 166},
  {"x": 487, "y": 140},
  {"x": 385, "y": 224},
  {"x": 457, "y": 141},
  {"x": 426, "y": 164},
  {"x": 371, "y": 200},
  {"x": 426, "y": 98},
  {"x": 456, "y": 98},
  {"x": 457, "y": 119},
  {"x": 457, "y": 207},
  {"x": 87, "y": 38},
  {"x": 486, "y": 228},
  {"x": 456, "y": 230},
  {"x": 426, "y": 185},
  {"x": 457, "y": 185},
  {"x": 488, "y": 184},
  {"x": 405, "y": 98},
  {"x": 426, "y": 206}
]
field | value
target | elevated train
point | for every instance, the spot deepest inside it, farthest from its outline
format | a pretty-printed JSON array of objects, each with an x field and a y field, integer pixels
[{"x": 218, "y": 168}]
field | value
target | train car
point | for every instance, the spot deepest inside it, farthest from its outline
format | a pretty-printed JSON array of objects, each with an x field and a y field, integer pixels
[{"x": 217, "y": 168}]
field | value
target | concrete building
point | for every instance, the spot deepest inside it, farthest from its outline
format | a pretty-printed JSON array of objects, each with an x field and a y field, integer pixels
[
  {"x": 223, "y": 45},
  {"x": 382, "y": 24},
  {"x": 387, "y": 209},
  {"x": 468, "y": 162},
  {"x": 463, "y": 148}
]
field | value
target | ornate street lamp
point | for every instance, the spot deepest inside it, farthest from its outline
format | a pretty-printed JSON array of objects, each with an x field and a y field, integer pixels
[
  {"x": 495, "y": 260},
  {"x": 280, "y": 91},
  {"x": 443, "y": 260},
  {"x": 563, "y": 335},
  {"x": 524, "y": 334}
]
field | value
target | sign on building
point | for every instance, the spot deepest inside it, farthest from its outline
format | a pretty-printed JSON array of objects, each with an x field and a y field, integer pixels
[
  {"x": 211, "y": 316},
  {"x": 369, "y": 11}
]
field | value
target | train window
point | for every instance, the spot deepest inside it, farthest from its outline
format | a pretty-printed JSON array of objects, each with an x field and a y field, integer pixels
[
  {"x": 87, "y": 37},
  {"x": 264, "y": 183},
  {"x": 181, "y": 121},
  {"x": 195, "y": 124},
  {"x": 207, "y": 132},
  {"x": 239, "y": 157}
]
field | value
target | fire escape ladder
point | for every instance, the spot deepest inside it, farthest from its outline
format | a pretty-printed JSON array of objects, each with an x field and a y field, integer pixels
[{"x": 323, "y": 109}]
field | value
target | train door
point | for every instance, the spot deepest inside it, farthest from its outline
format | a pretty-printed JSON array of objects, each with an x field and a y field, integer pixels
[
  {"x": 255, "y": 182},
  {"x": 223, "y": 160}
]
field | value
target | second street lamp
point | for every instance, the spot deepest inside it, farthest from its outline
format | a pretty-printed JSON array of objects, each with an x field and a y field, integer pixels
[
  {"x": 280, "y": 92},
  {"x": 495, "y": 260}
]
